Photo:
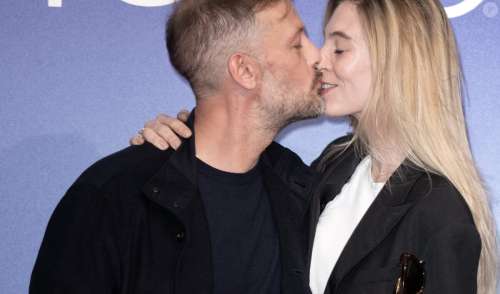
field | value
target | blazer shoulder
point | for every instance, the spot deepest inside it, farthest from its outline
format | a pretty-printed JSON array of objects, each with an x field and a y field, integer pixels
[
  {"x": 139, "y": 161},
  {"x": 320, "y": 162},
  {"x": 439, "y": 202}
]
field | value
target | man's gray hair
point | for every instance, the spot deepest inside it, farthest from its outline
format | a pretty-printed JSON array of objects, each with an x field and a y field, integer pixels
[{"x": 202, "y": 34}]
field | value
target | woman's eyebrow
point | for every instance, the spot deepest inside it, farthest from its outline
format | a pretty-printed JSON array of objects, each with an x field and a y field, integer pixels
[{"x": 339, "y": 34}]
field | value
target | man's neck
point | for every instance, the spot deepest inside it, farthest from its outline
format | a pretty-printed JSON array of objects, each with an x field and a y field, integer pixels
[{"x": 229, "y": 136}]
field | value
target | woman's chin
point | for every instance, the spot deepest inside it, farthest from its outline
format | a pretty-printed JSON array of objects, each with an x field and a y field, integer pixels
[{"x": 334, "y": 109}]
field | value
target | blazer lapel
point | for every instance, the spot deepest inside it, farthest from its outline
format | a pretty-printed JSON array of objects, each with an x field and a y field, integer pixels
[
  {"x": 333, "y": 179},
  {"x": 384, "y": 214}
]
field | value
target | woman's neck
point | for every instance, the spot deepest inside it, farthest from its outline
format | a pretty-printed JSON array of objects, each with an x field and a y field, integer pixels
[{"x": 385, "y": 163}]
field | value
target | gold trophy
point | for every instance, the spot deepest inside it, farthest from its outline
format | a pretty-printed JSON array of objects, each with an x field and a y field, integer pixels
[{"x": 412, "y": 279}]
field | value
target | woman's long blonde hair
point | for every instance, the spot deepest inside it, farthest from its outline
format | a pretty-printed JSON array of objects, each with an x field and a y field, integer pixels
[{"x": 416, "y": 104}]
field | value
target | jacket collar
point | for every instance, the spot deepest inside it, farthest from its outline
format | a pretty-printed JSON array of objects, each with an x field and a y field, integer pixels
[
  {"x": 181, "y": 171},
  {"x": 184, "y": 159},
  {"x": 175, "y": 184}
]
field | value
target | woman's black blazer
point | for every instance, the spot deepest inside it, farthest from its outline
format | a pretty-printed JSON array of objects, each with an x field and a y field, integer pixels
[{"x": 417, "y": 213}]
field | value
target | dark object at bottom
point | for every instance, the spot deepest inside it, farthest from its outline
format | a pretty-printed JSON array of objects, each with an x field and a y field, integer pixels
[{"x": 412, "y": 279}]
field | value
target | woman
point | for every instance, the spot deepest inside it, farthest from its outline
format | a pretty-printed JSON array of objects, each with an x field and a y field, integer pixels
[{"x": 405, "y": 181}]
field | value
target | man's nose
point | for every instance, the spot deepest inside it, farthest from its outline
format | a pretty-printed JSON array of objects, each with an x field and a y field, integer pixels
[{"x": 313, "y": 55}]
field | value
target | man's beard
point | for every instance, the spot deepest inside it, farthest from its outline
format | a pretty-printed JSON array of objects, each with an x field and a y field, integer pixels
[{"x": 283, "y": 104}]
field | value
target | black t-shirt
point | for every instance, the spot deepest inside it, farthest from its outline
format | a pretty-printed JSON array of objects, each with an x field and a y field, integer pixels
[{"x": 245, "y": 244}]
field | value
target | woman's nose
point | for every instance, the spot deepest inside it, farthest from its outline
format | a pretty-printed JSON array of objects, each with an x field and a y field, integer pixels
[{"x": 323, "y": 63}]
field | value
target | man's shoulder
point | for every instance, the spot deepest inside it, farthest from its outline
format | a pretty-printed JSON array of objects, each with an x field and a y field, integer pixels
[
  {"x": 287, "y": 165},
  {"x": 135, "y": 163},
  {"x": 280, "y": 157}
]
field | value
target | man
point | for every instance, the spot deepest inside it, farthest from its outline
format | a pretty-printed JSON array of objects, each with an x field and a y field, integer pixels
[{"x": 216, "y": 216}]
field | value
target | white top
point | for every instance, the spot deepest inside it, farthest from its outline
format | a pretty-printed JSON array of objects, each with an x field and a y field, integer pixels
[{"x": 338, "y": 221}]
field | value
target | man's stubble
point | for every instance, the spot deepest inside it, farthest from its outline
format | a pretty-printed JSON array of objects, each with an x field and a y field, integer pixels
[{"x": 283, "y": 103}]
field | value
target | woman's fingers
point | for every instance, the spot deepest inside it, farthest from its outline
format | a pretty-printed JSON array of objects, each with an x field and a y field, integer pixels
[
  {"x": 138, "y": 139},
  {"x": 154, "y": 138},
  {"x": 176, "y": 125},
  {"x": 164, "y": 131},
  {"x": 183, "y": 115},
  {"x": 168, "y": 135}
]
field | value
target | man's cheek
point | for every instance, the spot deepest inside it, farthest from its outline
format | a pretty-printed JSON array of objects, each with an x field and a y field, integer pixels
[{"x": 300, "y": 80}]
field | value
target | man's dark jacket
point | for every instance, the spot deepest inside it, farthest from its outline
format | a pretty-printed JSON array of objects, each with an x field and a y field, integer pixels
[{"x": 134, "y": 222}]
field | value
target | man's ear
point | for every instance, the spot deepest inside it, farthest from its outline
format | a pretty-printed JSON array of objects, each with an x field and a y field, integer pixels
[{"x": 245, "y": 70}]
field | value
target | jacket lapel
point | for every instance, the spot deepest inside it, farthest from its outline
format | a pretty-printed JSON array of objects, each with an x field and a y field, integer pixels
[
  {"x": 384, "y": 214},
  {"x": 332, "y": 180}
]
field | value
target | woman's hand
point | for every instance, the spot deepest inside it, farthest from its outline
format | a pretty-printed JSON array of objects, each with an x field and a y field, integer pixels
[{"x": 164, "y": 131}]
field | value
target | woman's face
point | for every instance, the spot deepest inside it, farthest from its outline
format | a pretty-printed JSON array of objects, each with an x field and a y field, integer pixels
[{"x": 345, "y": 63}]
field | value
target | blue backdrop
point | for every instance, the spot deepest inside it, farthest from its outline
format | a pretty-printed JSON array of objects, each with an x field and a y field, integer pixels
[{"x": 79, "y": 77}]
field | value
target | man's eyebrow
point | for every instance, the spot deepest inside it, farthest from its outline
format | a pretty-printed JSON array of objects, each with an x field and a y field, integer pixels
[{"x": 339, "y": 34}]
